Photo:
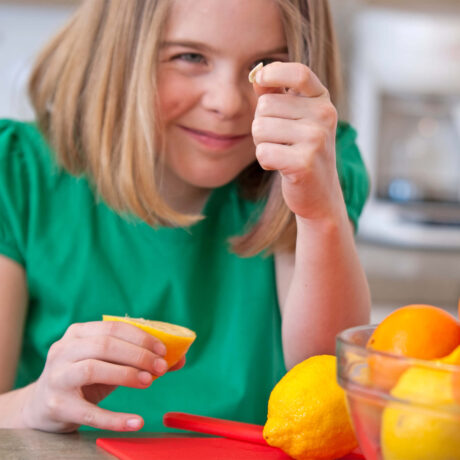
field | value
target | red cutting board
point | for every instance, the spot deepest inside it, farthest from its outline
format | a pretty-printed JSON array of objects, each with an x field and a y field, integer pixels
[{"x": 177, "y": 448}]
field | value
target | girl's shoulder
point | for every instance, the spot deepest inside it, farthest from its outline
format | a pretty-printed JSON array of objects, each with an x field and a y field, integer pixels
[
  {"x": 22, "y": 166},
  {"x": 27, "y": 162},
  {"x": 22, "y": 142},
  {"x": 34, "y": 190}
]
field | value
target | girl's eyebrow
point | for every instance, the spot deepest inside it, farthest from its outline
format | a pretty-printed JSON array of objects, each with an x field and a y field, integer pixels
[
  {"x": 204, "y": 47},
  {"x": 280, "y": 50},
  {"x": 186, "y": 44}
]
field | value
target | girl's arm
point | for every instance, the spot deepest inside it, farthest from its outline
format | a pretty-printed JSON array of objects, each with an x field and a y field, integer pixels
[
  {"x": 13, "y": 302},
  {"x": 322, "y": 287}
]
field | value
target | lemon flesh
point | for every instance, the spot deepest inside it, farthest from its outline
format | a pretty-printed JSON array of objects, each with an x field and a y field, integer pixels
[{"x": 177, "y": 339}]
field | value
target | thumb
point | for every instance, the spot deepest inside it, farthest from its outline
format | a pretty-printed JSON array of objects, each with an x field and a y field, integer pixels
[{"x": 259, "y": 89}]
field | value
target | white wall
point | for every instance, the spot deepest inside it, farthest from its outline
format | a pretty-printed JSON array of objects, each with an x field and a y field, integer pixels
[{"x": 24, "y": 29}]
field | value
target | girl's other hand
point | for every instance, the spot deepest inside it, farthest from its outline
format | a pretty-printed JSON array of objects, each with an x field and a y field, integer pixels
[
  {"x": 82, "y": 368},
  {"x": 294, "y": 131}
]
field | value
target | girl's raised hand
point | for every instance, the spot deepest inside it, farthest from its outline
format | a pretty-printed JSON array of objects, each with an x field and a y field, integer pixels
[
  {"x": 294, "y": 132},
  {"x": 82, "y": 368}
]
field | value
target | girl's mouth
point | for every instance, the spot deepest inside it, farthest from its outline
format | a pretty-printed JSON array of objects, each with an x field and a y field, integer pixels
[{"x": 214, "y": 141}]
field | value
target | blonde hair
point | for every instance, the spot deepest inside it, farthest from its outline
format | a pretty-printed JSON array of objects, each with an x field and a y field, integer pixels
[{"x": 94, "y": 93}]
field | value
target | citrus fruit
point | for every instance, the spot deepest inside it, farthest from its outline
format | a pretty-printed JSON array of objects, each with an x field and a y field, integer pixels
[
  {"x": 177, "y": 339},
  {"x": 427, "y": 425},
  {"x": 415, "y": 331},
  {"x": 307, "y": 413},
  {"x": 454, "y": 358}
]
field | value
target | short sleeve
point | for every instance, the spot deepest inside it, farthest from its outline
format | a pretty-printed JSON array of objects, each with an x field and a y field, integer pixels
[
  {"x": 352, "y": 172},
  {"x": 14, "y": 190}
]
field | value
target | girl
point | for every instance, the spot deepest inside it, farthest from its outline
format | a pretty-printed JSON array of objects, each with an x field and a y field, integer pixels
[{"x": 159, "y": 183}]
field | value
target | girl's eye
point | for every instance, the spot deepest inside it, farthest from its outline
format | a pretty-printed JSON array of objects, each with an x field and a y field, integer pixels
[{"x": 194, "y": 58}]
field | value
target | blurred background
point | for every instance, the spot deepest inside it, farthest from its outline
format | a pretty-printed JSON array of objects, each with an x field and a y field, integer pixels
[{"x": 401, "y": 68}]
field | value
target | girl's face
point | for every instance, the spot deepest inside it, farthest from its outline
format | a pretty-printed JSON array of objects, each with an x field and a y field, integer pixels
[{"x": 206, "y": 102}]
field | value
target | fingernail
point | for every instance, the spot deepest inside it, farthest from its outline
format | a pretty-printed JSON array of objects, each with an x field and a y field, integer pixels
[
  {"x": 253, "y": 72},
  {"x": 258, "y": 77},
  {"x": 133, "y": 423},
  {"x": 159, "y": 348},
  {"x": 160, "y": 366},
  {"x": 145, "y": 377}
]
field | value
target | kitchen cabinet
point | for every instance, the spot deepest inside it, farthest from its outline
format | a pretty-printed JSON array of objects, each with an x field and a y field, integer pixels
[{"x": 399, "y": 276}]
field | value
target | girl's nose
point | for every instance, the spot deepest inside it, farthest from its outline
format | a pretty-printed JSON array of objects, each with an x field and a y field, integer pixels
[{"x": 225, "y": 96}]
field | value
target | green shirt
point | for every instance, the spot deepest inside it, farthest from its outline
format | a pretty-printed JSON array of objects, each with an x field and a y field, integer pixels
[{"x": 83, "y": 260}]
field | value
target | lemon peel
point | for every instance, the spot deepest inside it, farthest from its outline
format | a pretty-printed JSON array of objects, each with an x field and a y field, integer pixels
[{"x": 307, "y": 412}]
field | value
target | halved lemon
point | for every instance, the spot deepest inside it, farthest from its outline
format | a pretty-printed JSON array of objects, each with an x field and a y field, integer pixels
[{"x": 177, "y": 339}]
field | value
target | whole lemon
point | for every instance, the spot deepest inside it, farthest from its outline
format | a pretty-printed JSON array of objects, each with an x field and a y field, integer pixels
[
  {"x": 307, "y": 412},
  {"x": 427, "y": 425}
]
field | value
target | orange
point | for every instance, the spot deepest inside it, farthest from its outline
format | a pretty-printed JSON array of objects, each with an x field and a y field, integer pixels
[
  {"x": 415, "y": 331},
  {"x": 307, "y": 412},
  {"x": 177, "y": 339}
]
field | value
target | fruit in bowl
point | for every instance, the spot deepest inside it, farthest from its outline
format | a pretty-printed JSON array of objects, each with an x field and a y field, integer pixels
[
  {"x": 427, "y": 424},
  {"x": 403, "y": 407},
  {"x": 416, "y": 331}
]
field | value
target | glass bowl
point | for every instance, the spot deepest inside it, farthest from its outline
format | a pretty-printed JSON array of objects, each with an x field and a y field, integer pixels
[{"x": 401, "y": 408}]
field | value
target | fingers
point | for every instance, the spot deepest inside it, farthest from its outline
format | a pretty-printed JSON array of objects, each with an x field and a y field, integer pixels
[
  {"x": 288, "y": 132},
  {"x": 85, "y": 413},
  {"x": 260, "y": 90},
  {"x": 125, "y": 331},
  {"x": 273, "y": 157},
  {"x": 178, "y": 365},
  {"x": 91, "y": 371},
  {"x": 297, "y": 77},
  {"x": 278, "y": 130},
  {"x": 285, "y": 106},
  {"x": 287, "y": 160},
  {"x": 288, "y": 118},
  {"x": 290, "y": 107},
  {"x": 109, "y": 349},
  {"x": 290, "y": 147}
]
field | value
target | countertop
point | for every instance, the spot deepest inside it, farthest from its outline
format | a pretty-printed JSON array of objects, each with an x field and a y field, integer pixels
[{"x": 37, "y": 445}]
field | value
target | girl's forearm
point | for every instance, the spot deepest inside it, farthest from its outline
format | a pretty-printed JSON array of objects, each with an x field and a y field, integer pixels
[
  {"x": 12, "y": 404},
  {"x": 328, "y": 290}
]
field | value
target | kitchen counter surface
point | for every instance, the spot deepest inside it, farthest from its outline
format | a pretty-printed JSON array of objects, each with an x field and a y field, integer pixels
[{"x": 37, "y": 445}]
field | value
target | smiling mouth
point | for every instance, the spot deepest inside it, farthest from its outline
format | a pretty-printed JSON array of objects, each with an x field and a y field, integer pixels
[
  {"x": 213, "y": 142},
  {"x": 217, "y": 137}
]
